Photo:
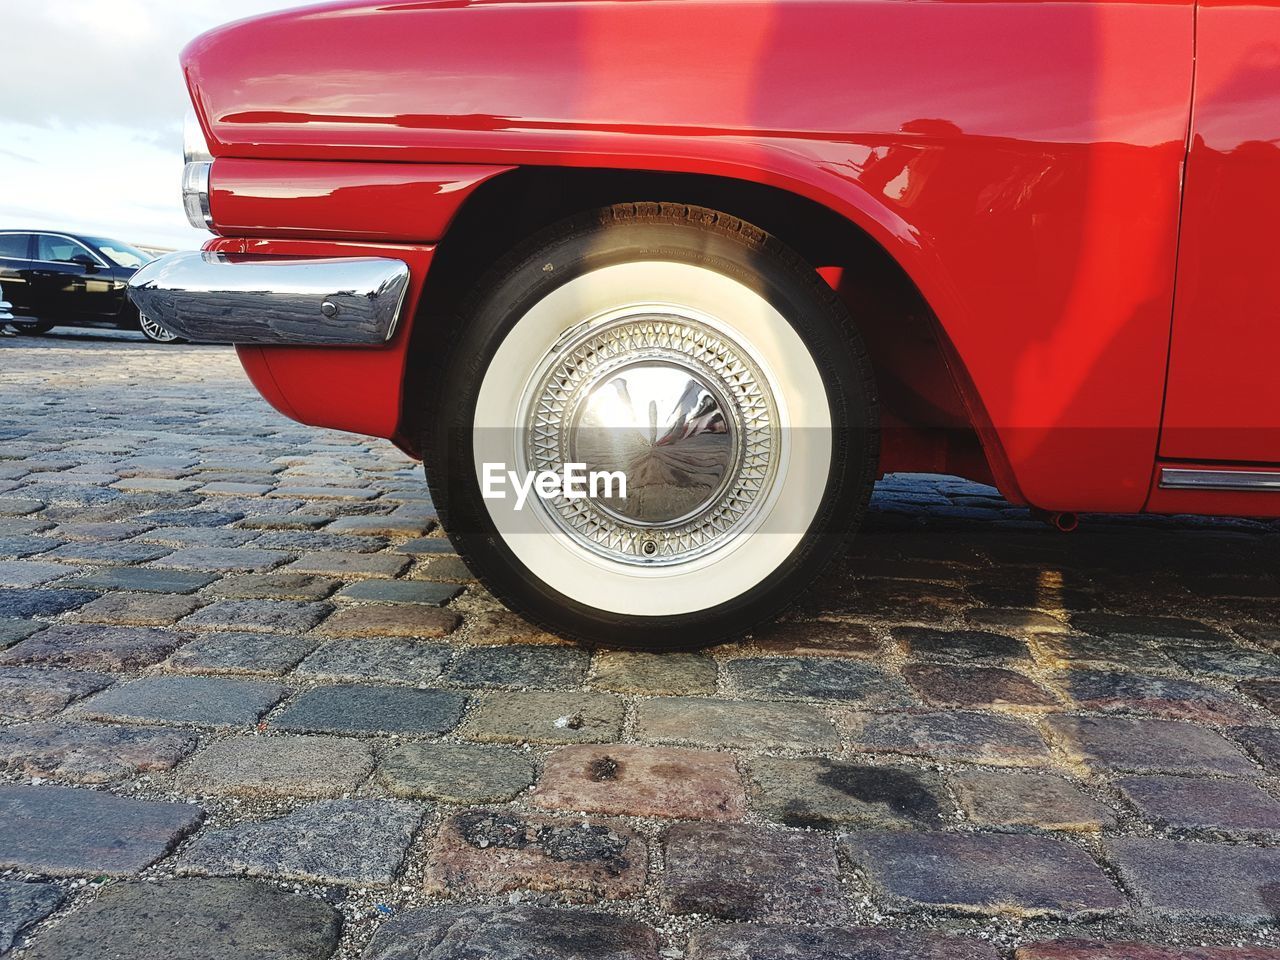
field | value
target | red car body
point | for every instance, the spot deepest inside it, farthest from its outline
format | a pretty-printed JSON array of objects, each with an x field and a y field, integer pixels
[{"x": 1081, "y": 195}]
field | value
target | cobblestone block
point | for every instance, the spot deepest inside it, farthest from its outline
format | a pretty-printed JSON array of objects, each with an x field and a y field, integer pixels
[
  {"x": 193, "y": 518},
  {"x": 198, "y": 701},
  {"x": 1132, "y": 950},
  {"x": 984, "y": 873},
  {"x": 274, "y": 586},
  {"x": 952, "y": 685},
  {"x": 1227, "y": 661},
  {"x": 755, "y": 942},
  {"x": 266, "y": 616},
  {"x": 1026, "y": 622},
  {"x": 444, "y": 568},
  {"x": 283, "y": 766},
  {"x": 136, "y": 609},
  {"x": 815, "y": 638},
  {"x": 376, "y": 658},
  {"x": 188, "y": 920},
  {"x": 422, "y": 546},
  {"x": 353, "y": 842},
  {"x": 23, "y": 603},
  {"x": 367, "y": 710},
  {"x": 625, "y": 671},
  {"x": 956, "y": 735},
  {"x": 111, "y": 530},
  {"x": 629, "y": 780},
  {"x": 215, "y": 537},
  {"x": 545, "y": 717},
  {"x": 960, "y": 645},
  {"x": 145, "y": 580},
  {"x": 1078, "y": 648},
  {"x": 423, "y": 592},
  {"x": 741, "y": 872},
  {"x": 1113, "y": 691},
  {"x": 333, "y": 563},
  {"x": 67, "y": 831},
  {"x": 1144, "y": 627},
  {"x": 488, "y": 852},
  {"x": 381, "y": 526},
  {"x": 233, "y": 488},
  {"x": 784, "y": 678},
  {"x": 1125, "y": 745},
  {"x": 707, "y": 722},
  {"x": 1204, "y": 882},
  {"x": 390, "y": 620},
  {"x": 818, "y": 792},
  {"x": 313, "y": 544},
  {"x": 88, "y": 752},
  {"x": 22, "y": 905},
  {"x": 29, "y": 573},
  {"x": 1228, "y": 806},
  {"x": 252, "y": 654},
  {"x": 512, "y": 933},
  {"x": 282, "y": 521},
  {"x": 501, "y": 626},
  {"x": 1266, "y": 692},
  {"x": 455, "y": 772},
  {"x": 19, "y": 506},
  {"x": 1263, "y": 743},
  {"x": 93, "y": 647},
  {"x": 516, "y": 666},
  {"x": 18, "y": 547},
  {"x": 13, "y": 631},
  {"x": 226, "y": 559},
  {"x": 1028, "y": 800},
  {"x": 33, "y": 694},
  {"x": 107, "y": 554},
  {"x": 324, "y": 493}
]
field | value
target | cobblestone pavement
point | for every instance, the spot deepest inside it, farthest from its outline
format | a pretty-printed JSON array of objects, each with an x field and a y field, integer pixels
[{"x": 251, "y": 706}]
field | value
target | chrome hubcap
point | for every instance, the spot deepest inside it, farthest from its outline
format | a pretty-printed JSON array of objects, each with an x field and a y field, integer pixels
[{"x": 674, "y": 405}]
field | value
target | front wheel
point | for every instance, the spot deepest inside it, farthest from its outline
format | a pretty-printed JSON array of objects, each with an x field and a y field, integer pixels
[
  {"x": 688, "y": 410},
  {"x": 155, "y": 332}
]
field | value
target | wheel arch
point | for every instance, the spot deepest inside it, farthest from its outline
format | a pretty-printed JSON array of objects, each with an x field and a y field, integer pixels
[{"x": 934, "y": 420}]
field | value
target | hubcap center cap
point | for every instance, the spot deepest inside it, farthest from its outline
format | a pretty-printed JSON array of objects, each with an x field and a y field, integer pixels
[
  {"x": 667, "y": 429},
  {"x": 675, "y": 405}
]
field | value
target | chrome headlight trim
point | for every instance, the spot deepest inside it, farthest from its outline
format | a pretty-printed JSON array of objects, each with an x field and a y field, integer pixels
[
  {"x": 194, "y": 145},
  {"x": 195, "y": 194}
]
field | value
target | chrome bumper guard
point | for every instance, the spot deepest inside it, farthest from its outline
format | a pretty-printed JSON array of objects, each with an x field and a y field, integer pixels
[
  {"x": 233, "y": 298},
  {"x": 6, "y": 309}
]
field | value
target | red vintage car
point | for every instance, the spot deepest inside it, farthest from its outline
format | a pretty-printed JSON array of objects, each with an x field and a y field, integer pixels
[{"x": 749, "y": 255}]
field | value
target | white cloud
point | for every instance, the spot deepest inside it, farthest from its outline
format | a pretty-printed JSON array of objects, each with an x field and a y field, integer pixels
[{"x": 91, "y": 106}]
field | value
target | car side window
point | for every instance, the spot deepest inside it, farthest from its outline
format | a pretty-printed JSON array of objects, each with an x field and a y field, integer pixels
[
  {"x": 14, "y": 245},
  {"x": 58, "y": 249}
]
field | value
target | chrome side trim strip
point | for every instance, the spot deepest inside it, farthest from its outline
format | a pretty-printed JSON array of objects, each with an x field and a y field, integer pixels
[
  {"x": 222, "y": 298},
  {"x": 1180, "y": 478}
]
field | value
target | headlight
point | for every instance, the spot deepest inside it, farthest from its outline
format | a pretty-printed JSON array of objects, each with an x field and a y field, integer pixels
[{"x": 195, "y": 175}]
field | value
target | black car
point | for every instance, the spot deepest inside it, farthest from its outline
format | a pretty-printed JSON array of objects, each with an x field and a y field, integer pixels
[{"x": 53, "y": 278}]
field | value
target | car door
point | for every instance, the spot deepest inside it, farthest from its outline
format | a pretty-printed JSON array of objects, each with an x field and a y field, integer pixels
[
  {"x": 1223, "y": 397},
  {"x": 71, "y": 282},
  {"x": 15, "y": 272}
]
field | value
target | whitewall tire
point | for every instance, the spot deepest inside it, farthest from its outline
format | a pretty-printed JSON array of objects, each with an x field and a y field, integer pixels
[{"x": 692, "y": 355}]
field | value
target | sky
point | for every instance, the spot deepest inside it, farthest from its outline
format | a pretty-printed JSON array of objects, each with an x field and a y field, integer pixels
[{"x": 91, "y": 108}]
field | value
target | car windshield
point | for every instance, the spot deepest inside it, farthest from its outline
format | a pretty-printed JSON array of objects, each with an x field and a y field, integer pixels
[{"x": 121, "y": 254}]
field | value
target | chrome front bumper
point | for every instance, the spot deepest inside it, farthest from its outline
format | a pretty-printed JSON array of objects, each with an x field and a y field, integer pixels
[
  {"x": 6, "y": 309},
  {"x": 231, "y": 298}
]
